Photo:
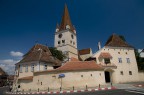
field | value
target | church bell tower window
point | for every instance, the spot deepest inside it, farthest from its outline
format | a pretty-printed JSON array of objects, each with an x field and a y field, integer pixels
[
  {"x": 63, "y": 41},
  {"x": 58, "y": 42},
  {"x": 72, "y": 36},
  {"x": 60, "y": 35}
]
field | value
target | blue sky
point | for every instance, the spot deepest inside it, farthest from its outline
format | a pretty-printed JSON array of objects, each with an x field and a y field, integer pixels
[{"x": 23, "y": 22}]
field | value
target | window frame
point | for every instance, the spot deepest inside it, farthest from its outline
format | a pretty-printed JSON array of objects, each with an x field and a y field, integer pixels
[
  {"x": 45, "y": 66},
  {"x": 130, "y": 72},
  {"x": 21, "y": 68},
  {"x": 32, "y": 67},
  {"x": 121, "y": 73},
  {"x": 119, "y": 60},
  {"x": 107, "y": 60},
  {"x": 128, "y": 60},
  {"x": 26, "y": 68}
]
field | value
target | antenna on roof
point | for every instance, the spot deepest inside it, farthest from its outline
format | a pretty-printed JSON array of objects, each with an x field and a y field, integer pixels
[{"x": 99, "y": 45}]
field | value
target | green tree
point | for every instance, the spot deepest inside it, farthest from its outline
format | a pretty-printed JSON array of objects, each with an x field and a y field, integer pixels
[
  {"x": 57, "y": 53},
  {"x": 140, "y": 61}
]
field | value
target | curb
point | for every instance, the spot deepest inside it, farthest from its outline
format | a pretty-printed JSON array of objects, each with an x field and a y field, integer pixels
[
  {"x": 64, "y": 92},
  {"x": 139, "y": 85}
]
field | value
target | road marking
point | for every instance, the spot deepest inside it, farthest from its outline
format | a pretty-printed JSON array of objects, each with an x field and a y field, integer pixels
[
  {"x": 68, "y": 91},
  {"x": 134, "y": 91},
  {"x": 82, "y": 90}
]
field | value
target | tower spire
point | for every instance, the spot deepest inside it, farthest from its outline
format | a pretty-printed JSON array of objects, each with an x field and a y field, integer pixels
[{"x": 66, "y": 21}]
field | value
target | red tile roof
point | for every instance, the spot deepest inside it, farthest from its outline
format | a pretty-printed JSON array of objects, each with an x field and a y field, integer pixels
[
  {"x": 77, "y": 66},
  {"x": 80, "y": 65},
  {"x": 40, "y": 53},
  {"x": 84, "y": 51},
  {"x": 116, "y": 41},
  {"x": 26, "y": 78},
  {"x": 105, "y": 55},
  {"x": 66, "y": 20},
  {"x": 74, "y": 59}
]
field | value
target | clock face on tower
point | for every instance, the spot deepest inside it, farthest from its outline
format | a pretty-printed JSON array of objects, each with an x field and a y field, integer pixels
[
  {"x": 60, "y": 35},
  {"x": 67, "y": 27}
]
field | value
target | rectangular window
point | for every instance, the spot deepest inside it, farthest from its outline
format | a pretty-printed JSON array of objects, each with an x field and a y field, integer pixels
[
  {"x": 58, "y": 42},
  {"x": 121, "y": 72},
  {"x": 120, "y": 60},
  {"x": 26, "y": 68},
  {"x": 107, "y": 60},
  {"x": 130, "y": 72},
  {"x": 21, "y": 68},
  {"x": 45, "y": 66},
  {"x": 32, "y": 67},
  {"x": 63, "y": 41},
  {"x": 128, "y": 60}
]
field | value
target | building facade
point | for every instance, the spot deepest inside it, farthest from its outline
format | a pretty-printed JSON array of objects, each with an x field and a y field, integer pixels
[
  {"x": 39, "y": 70},
  {"x": 118, "y": 59},
  {"x": 38, "y": 58},
  {"x": 65, "y": 36}
]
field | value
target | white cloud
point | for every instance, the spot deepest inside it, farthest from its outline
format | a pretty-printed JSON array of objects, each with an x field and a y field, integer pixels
[
  {"x": 16, "y": 54},
  {"x": 8, "y": 65},
  {"x": 8, "y": 61}
]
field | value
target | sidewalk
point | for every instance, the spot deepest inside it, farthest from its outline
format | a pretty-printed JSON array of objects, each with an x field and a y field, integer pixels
[
  {"x": 129, "y": 85},
  {"x": 65, "y": 91},
  {"x": 86, "y": 89}
]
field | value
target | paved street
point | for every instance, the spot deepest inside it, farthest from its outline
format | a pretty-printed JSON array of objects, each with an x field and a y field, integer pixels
[
  {"x": 129, "y": 91},
  {"x": 3, "y": 89},
  {"x": 108, "y": 92},
  {"x": 124, "y": 89}
]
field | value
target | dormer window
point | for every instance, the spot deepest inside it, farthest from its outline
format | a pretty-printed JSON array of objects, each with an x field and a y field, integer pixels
[
  {"x": 67, "y": 27},
  {"x": 106, "y": 60}
]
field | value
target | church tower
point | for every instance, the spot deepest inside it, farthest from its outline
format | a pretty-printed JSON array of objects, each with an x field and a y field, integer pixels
[{"x": 65, "y": 36}]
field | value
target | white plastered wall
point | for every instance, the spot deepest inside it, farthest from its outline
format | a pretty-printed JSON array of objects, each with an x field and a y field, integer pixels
[{"x": 124, "y": 66}]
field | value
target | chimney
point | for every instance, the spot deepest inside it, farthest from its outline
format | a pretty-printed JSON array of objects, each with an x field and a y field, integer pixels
[{"x": 99, "y": 45}]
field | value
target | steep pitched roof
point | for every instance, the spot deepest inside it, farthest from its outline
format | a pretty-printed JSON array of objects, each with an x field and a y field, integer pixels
[
  {"x": 66, "y": 20},
  {"x": 84, "y": 51},
  {"x": 115, "y": 41},
  {"x": 40, "y": 53}
]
